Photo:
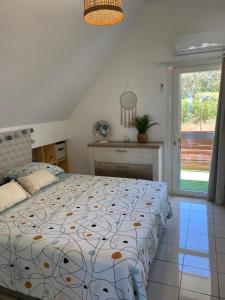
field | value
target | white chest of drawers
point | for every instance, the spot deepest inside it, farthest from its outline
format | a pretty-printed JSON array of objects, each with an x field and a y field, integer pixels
[{"x": 134, "y": 160}]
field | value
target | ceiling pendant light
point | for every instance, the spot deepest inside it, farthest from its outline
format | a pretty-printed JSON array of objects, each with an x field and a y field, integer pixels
[{"x": 103, "y": 12}]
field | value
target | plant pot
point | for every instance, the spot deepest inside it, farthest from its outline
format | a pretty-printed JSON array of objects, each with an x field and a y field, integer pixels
[{"x": 142, "y": 137}]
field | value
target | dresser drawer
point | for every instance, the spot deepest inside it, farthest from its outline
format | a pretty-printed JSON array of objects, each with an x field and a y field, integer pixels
[
  {"x": 124, "y": 155},
  {"x": 60, "y": 150}
]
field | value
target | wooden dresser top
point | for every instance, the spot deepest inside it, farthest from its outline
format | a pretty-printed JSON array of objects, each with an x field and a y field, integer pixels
[{"x": 151, "y": 145}]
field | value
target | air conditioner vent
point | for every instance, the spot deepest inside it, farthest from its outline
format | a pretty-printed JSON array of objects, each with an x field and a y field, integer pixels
[{"x": 200, "y": 43}]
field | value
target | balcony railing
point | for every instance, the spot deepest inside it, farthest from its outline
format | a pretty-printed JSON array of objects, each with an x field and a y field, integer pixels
[{"x": 196, "y": 150}]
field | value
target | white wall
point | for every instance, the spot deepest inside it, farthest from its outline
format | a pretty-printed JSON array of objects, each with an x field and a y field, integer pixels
[
  {"x": 45, "y": 133},
  {"x": 150, "y": 39},
  {"x": 49, "y": 57}
]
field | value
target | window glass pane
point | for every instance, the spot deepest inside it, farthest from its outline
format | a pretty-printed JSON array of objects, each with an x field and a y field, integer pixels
[
  {"x": 199, "y": 94},
  {"x": 199, "y": 100}
]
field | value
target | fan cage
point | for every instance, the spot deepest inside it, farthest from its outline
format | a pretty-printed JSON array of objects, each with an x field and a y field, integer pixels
[{"x": 103, "y": 12}]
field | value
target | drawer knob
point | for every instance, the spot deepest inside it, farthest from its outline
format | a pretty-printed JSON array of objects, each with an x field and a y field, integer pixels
[{"x": 121, "y": 151}]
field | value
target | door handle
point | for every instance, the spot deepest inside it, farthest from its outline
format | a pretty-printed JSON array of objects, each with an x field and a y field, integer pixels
[{"x": 176, "y": 141}]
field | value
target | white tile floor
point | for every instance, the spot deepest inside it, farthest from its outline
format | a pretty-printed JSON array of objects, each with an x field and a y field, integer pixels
[{"x": 190, "y": 262}]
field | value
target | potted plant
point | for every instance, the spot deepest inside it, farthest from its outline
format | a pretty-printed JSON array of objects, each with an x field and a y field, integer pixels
[{"x": 143, "y": 124}]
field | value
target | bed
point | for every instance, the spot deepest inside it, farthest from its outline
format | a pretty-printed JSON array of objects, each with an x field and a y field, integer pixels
[{"x": 83, "y": 237}]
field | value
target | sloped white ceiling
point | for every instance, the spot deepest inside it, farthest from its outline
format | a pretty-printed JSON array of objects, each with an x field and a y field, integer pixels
[{"x": 49, "y": 57}]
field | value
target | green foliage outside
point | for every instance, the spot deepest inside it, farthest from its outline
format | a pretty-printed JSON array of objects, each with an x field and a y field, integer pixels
[{"x": 200, "y": 93}]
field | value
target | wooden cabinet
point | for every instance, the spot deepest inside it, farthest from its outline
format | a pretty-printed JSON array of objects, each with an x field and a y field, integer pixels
[
  {"x": 55, "y": 154},
  {"x": 49, "y": 154},
  {"x": 130, "y": 160}
]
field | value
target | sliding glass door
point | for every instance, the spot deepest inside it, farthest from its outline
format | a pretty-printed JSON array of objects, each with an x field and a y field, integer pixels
[{"x": 196, "y": 93}]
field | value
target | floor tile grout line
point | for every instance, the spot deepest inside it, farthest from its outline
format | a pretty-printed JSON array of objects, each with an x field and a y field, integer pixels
[
  {"x": 166, "y": 284},
  {"x": 214, "y": 237},
  {"x": 211, "y": 236},
  {"x": 190, "y": 266},
  {"x": 218, "y": 283},
  {"x": 173, "y": 286},
  {"x": 194, "y": 233},
  {"x": 181, "y": 276},
  {"x": 167, "y": 261},
  {"x": 201, "y": 293}
]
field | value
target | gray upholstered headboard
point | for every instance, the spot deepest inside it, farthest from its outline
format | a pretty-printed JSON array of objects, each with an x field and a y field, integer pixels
[{"x": 15, "y": 150}]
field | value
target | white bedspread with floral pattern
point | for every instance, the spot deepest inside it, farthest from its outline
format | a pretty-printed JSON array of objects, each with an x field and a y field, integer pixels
[{"x": 83, "y": 238}]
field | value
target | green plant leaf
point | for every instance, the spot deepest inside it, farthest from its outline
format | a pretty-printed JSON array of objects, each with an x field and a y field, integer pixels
[{"x": 143, "y": 123}]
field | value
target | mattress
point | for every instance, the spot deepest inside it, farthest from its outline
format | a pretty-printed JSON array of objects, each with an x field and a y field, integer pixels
[{"x": 83, "y": 238}]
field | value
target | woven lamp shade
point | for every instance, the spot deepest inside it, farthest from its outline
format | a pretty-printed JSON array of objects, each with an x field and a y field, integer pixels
[{"x": 103, "y": 12}]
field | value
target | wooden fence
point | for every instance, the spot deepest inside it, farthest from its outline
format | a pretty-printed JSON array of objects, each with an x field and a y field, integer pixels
[{"x": 196, "y": 153}]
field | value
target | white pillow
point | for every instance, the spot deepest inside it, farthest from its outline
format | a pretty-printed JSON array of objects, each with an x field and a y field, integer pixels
[
  {"x": 35, "y": 181},
  {"x": 10, "y": 194}
]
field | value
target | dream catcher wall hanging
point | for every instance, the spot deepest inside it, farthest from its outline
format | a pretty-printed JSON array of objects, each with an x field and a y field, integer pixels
[{"x": 128, "y": 102}]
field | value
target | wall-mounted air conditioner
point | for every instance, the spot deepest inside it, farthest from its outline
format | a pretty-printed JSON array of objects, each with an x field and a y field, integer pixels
[{"x": 200, "y": 43}]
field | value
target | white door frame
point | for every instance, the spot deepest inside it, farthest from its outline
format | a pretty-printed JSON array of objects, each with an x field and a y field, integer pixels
[{"x": 176, "y": 114}]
